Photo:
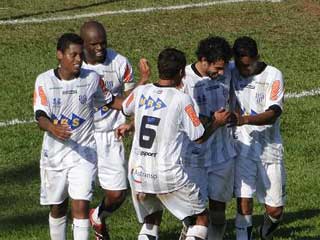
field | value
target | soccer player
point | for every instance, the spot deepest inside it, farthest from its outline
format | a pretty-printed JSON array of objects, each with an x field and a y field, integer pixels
[
  {"x": 63, "y": 106},
  {"x": 211, "y": 164},
  {"x": 116, "y": 72},
  {"x": 164, "y": 118},
  {"x": 259, "y": 90}
]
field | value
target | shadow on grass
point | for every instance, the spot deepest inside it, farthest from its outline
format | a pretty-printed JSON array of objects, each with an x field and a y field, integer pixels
[
  {"x": 58, "y": 10},
  {"x": 21, "y": 174},
  {"x": 283, "y": 231}
]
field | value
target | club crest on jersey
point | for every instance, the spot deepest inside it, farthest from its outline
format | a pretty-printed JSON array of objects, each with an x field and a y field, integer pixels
[
  {"x": 151, "y": 103},
  {"x": 138, "y": 175},
  {"x": 82, "y": 99},
  {"x": 74, "y": 122},
  {"x": 260, "y": 97}
]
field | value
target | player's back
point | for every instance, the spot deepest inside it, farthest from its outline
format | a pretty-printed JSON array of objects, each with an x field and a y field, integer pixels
[{"x": 164, "y": 118}]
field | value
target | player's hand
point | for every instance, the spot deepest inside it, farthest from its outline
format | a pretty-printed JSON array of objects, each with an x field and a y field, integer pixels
[
  {"x": 62, "y": 132},
  {"x": 145, "y": 71},
  {"x": 123, "y": 130},
  {"x": 221, "y": 117}
]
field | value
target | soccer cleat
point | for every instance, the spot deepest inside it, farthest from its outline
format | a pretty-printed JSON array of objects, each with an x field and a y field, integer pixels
[{"x": 100, "y": 230}]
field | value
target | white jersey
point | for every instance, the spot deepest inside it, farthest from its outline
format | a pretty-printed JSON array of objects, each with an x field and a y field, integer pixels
[
  {"x": 164, "y": 119},
  {"x": 72, "y": 103},
  {"x": 255, "y": 95},
  {"x": 117, "y": 75},
  {"x": 209, "y": 95}
]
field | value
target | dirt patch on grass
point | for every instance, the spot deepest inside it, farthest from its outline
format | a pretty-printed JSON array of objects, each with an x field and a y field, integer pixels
[{"x": 311, "y": 6}]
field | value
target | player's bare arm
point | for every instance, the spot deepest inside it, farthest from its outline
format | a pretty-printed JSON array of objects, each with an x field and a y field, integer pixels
[
  {"x": 62, "y": 132},
  {"x": 144, "y": 70},
  {"x": 265, "y": 118}
]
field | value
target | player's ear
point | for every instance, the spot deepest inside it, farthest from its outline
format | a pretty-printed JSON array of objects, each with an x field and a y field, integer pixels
[{"x": 59, "y": 55}]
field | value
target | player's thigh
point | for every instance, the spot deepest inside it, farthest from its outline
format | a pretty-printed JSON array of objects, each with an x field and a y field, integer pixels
[
  {"x": 81, "y": 180},
  {"x": 221, "y": 181},
  {"x": 271, "y": 184},
  {"x": 54, "y": 186},
  {"x": 112, "y": 166},
  {"x": 150, "y": 204},
  {"x": 245, "y": 177},
  {"x": 199, "y": 176},
  {"x": 184, "y": 202}
]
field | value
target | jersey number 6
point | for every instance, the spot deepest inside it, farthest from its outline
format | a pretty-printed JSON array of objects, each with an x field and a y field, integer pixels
[{"x": 147, "y": 135}]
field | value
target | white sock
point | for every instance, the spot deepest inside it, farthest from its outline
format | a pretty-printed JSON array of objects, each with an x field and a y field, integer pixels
[
  {"x": 243, "y": 227},
  {"x": 197, "y": 232},
  {"x": 148, "y": 229},
  {"x": 58, "y": 228},
  {"x": 81, "y": 229},
  {"x": 95, "y": 216}
]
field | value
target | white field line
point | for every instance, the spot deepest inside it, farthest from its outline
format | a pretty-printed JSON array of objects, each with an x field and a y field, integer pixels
[
  {"x": 313, "y": 92},
  {"x": 125, "y": 11}
]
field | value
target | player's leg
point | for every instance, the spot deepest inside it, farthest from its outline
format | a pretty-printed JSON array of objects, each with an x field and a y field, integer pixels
[
  {"x": 81, "y": 181},
  {"x": 197, "y": 175},
  {"x": 150, "y": 227},
  {"x": 220, "y": 191},
  {"x": 54, "y": 193},
  {"x": 271, "y": 192},
  {"x": 187, "y": 202},
  {"x": 245, "y": 187},
  {"x": 112, "y": 174},
  {"x": 149, "y": 210}
]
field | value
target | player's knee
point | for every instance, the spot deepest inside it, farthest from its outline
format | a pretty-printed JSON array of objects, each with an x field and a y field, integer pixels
[
  {"x": 197, "y": 232},
  {"x": 116, "y": 197},
  {"x": 59, "y": 210},
  {"x": 245, "y": 206},
  {"x": 274, "y": 212}
]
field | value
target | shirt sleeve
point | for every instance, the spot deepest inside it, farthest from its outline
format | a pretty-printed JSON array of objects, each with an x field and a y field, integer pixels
[
  {"x": 40, "y": 99},
  {"x": 129, "y": 103},
  {"x": 190, "y": 121},
  {"x": 127, "y": 76},
  {"x": 275, "y": 91}
]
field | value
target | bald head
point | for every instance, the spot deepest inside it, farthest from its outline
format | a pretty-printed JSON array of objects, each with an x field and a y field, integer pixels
[{"x": 95, "y": 41}]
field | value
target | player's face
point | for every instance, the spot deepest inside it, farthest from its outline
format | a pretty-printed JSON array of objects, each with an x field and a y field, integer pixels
[
  {"x": 95, "y": 44},
  {"x": 71, "y": 59},
  {"x": 246, "y": 65},
  {"x": 213, "y": 69}
]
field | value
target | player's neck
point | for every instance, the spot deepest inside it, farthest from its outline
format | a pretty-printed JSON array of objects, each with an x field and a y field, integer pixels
[
  {"x": 166, "y": 83},
  {"x": 62, "y": 74},
  {"x": 95, "y": 61},
  {"x": 199, "y": 69}
]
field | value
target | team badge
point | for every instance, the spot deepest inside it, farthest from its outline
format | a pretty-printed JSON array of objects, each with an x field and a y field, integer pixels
[{"x": 82, "y": 99}]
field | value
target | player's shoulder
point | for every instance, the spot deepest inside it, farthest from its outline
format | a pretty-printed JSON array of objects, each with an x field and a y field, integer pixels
[
  {"x": 42, "y": 77},
  {"x": 88, "y": 73},
  {"x": 115, "y": 57},
  {"x": 273, "y": 69}
]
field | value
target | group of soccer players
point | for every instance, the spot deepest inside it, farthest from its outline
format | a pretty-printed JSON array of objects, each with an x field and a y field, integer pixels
[{"x": 204, "y": 132}]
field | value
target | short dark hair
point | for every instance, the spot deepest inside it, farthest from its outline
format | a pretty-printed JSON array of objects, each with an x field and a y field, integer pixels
[
  {"x": 213, "y": 49},
  {"x": 245, "y": 46},
  {"x": 66, "y": 39},
  {"x": 170, "y": 62}
]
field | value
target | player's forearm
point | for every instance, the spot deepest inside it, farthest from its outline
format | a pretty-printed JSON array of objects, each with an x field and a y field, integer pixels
[
  {"x": 116, "y": 103},
  {"x": 266, "y": 118},
  {"x": 209, "y": 129},
  {"x": 45, "y": 124}
]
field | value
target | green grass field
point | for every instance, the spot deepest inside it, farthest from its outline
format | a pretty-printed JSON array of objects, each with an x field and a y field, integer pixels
[{"x": 288, "y": 35}]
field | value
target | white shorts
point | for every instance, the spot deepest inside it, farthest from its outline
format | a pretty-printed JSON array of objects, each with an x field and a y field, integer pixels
[
  {"x": 199, "y": 176},
  {"x": 112, "y": 166},
  {"x": 216, "y": 182},
  {"x": 268, "y": 180},
  {"x": 182, "y": 203},
  {"x": 76, "y": 182},
  {"x": 221, "y": 181}
]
